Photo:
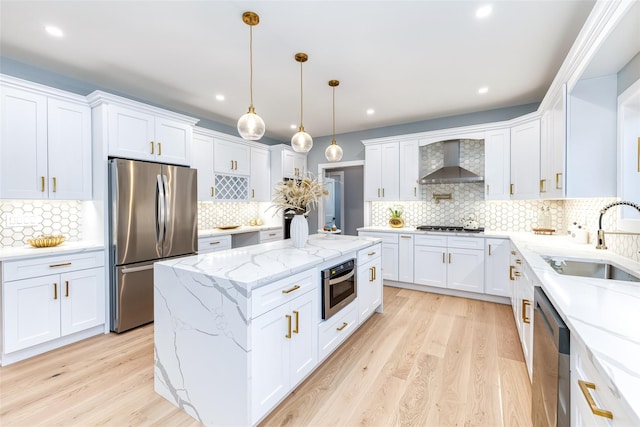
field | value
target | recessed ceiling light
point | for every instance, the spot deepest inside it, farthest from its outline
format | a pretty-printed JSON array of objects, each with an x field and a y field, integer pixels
[
  {"x": 483, "y": 90},
  {"x": 483, "y": 11},
  {"x": 294, "y": 126},
  {"x": 370, "y": 111},
  {"x": 53, "y": 31},
  {"x": 220, "y": 97}
]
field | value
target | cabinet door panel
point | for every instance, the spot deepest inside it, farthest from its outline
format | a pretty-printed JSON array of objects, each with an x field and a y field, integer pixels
[
  {"x": 466, "y": 270},
  {"x": 497, "y": 164},
  {"x": 203, "y": 162},
  {"x": 131, "y": 134},
  {"x": 405, "y": 258},
  {"x": 373, "y": 173},
  {"x": 497, "y": 258},
  {"x": 260, "y": 175},
  {"x": 23, "y": 145},
  {"x": 390, "y": 171},
  {"x": 173, "y": 141},
  {"x": 525, "y": 160},
  {"x": 82, "y": 300},
  {"x": 31, "y": 312},
  {"x": 409, "y": 170},
  {"x": 430, "y": 266},
  {"x": 390, "y": 261},
  {"x": 303, "y": 353}
]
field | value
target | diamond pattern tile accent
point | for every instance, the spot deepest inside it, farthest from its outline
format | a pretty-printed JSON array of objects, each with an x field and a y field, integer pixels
[{"x": 229, "y": 187}]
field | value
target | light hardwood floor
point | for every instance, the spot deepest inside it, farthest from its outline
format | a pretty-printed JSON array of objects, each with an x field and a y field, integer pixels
[{"x": 429, "y": 360}]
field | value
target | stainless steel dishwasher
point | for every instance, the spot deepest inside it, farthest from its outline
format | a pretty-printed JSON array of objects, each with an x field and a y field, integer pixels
[{"x": 551, "y": 387}]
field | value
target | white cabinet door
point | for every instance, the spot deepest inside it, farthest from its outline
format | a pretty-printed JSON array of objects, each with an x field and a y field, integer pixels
[
  {"x": 131, "y": 134},
  {"x": 405, "y": 258},
  {"x": 231, "y": 158},
  {"x": 373, "y": 173},
  {"x": 497, "y": 260},
  {"x": 390, "y": 171},
  {"x": 23, "y": 145},
  {"x": 303, "y": 350},
  {"x": 465, "y": 269},
  {"x": 525, "y": 160},
  {"x": 82, "y": 300},
  {"x": 430, "y": 266},
  {"x": 260, "y": 175},
  {"x": 173, "y": 141},
  {"x": 69, "y": 150},
  {"x": 202, "y": 151},
  {"x": 409, "y": 170},
  {"x": 552, "y": 148},
  {"x": 294, "y": 165},
  {"x": 389, "y": 261},
  {"x": 31, "y": 312},
  {"x": 497, "y": 164}
]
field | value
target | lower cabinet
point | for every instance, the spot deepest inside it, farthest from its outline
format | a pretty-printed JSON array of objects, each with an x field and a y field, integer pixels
[
  {"x": 214, "y": 244},
  {"x": 389, "y": 253},
  {"x": 369, "y": 284},
  {"x": 497, "y": 258},
  {"x": 271, "y": 235},
  {"x": 522, "y": 302},
  {"x": 405, "y": 258},
  {"x": 43, "y": 308}
]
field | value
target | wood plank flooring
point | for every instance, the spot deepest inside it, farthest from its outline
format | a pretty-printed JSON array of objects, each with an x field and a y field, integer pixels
[{"x": 429, "y": 360}]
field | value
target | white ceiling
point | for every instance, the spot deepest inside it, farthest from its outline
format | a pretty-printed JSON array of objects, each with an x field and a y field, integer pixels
[{"x": 408, "y": 60}]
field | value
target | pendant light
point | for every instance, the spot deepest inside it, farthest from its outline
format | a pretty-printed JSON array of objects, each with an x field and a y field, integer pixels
[
  {"x": 251, "y": 126},
  {"x": 333, "y": 153},
  {"x": 301, "y": 141}
]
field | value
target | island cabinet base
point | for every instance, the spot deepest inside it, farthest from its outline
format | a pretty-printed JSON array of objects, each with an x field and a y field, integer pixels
[{"x": 227, "y": 352}]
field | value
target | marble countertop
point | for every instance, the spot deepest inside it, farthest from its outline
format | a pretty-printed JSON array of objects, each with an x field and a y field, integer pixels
[
  {"x": 603, "y": 314},
  {"x": 253, "y": 266},
  {"x": 10, "y": 253},
  {"x": 242, "y": 229}
]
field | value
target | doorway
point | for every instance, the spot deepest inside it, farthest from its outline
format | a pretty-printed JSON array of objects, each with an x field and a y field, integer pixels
[
  {"x": 346, "y": 205},
  {"x": 334, "y": 202}
]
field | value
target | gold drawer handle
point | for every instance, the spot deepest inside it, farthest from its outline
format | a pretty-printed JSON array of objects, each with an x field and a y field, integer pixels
[
  {"x": 511, "y": 189},
  {"x": 344, "y": 325},
  {"x": 511, "y": 276},
  {"x": 296, "y": 329},
  {"x": 42, "y": 184},
  {"x": 371, "y": 253},
  {"x": 153, "y": 147},
  {"x": 159, "y": 149},
  {"x": 517, "y": 273},
  {"x": 55, "y": 184},
  {"x": 272, "y": 234},
  {"x": 55, "y": 291},
  {"x": 288, "y": 291},
  {"x": 64, "y": 264},
  {"x": 66, "y": 285},
  {"x": 214, "y": 243},
  {"x": 543, "y": 185},
  {"x": 405, "y": 237},
  {"x": 525, "y": 318},
  {"x": 558, "y": 186},
  {"x": 518, "y": 261},
  {"x": 288, "y": 316},
  {"x": 584, "y": 387}
]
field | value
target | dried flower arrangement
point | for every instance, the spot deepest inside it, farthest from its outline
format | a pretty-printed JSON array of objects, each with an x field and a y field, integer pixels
[{"x": 298, "y": 196}]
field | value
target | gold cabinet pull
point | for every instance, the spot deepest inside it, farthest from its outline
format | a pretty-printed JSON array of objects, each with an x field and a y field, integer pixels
[
  {"x": 511, "y": 189},
  {"x": 449, "y": 257},
  {"x": 288, "y": 291},
  {"x": 513, "y": 252},
  {"x": 66, "y": 288},
  {"x": 375, "y": 273},
  {"x": 511, "y": 268},
  {"x": 371, "y": 253},
  {"x": 517, "y": 273},
  {"x": 378, "y": 192},
  {"x": 383, "y": 192},
  {"x": 295, "y": 313},
  {"x": 443, "y": 261},
  {"x": 64, "y": 264},
  {"x": 159, "y": 149},
  {"x": 584, "y": 387},
  {"x": 42, "y": 184},
  {"x": 371, "y": 279},
  {"x": 55, "y": 291},
  {"x": 214, "y": 243},
  {"x": 558, "y": 186},
  {"x": 543, "y": 185},
  {"x": 525, "y": 318},
  {"x": 55, "y": 184},
  {"x": 273, "y": 234},
  {"x": 489, "y": 250},
  {"x": 231, "y": 164},
  {"x": 518, "y": 261},
  {"x": 487, "y": 188},
  {"x": 415, "y": 192},
  {"x": 405, "y": 237},
  {"x": 153, "y": 147},
  {"x": 288, "y": 316},
  {"x": 344, "y": 325},
  {"x": 253, "y": 193},
  {"x": 211, "y": 191}
]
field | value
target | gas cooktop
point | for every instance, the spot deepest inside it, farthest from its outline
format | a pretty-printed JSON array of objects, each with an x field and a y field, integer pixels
[{"x": 450, "y": 229}]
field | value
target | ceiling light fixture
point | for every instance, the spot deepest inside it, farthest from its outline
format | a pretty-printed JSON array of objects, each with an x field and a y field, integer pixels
[
  {"x": 220, "y": 97},
  {"x": 370, "y": 111},
  {"x": 483, "y": 11},
  {"x": 333, "y": 153},
  {"x": 301, "y": 141},
  {"x": 483, "y": 90},
  {"x": 251, "y": 126},
  {"x": 53, "y": 31}
]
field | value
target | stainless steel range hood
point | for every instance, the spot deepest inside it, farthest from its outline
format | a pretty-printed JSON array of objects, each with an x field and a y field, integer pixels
[{"x": 451, "y": 172}]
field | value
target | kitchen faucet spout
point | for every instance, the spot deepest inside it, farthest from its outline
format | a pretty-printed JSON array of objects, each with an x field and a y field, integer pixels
[{"x": 601, "y": 244}]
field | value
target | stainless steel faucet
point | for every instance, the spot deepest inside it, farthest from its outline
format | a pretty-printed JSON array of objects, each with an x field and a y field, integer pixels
[{"x": 601, "y": 244}]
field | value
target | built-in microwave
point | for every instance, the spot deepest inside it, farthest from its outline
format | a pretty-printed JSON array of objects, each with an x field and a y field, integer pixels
[{"x": 338, "y": 287}]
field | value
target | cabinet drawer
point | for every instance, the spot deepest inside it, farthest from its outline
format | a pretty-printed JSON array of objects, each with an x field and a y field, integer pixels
[
  {"x": 369, "y": 254},
  {"x": 465, "y": 242},
  {"x": 215, "y": 243},
  {"x": 335, "y": 330},
  {"x": 16, "y": 270},
  {"x": 270, "y": 235},
  {"x": 431, "y": 240},
  {"x": 386, "y": 237},
  {"x": 271, "y": 296}
]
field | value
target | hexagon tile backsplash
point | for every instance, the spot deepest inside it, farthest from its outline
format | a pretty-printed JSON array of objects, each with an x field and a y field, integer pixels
[{"x": 21, "y": 220}]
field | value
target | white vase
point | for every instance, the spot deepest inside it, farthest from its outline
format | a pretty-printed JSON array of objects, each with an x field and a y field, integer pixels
[{"x": 299, "y": 231}]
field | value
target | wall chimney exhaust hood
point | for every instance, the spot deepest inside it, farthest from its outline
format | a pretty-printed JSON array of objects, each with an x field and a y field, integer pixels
[{"x": 451, "y": 172}]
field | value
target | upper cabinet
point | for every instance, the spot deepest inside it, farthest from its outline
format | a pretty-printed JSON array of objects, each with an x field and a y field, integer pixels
[
  {"x": 260, "y": 175},
  {"x": 286, "y": 163},
  {"x": 381, "y": 178},
  {"x": 138, "y": 131},
  {"x": 552, "y": 147},
  {"x": 497, "y": 164},
  {"x": 525, "y": 160},
  {"x": 231, "y": 157},
  {"x": 409, "y": 170},
  {"x": 45, "y": 145},
  {"x": 202, "y": 153},
  {"x": 629, "y": 155}
]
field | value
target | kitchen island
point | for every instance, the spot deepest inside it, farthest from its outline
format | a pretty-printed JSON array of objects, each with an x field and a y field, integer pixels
[{"x": 236, "y": 331}]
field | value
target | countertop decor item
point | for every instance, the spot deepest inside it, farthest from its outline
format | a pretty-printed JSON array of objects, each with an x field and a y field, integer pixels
[
  {"x": 227, "y": 227},
  {"x": 396, "y": 220},
  {"x": 544, "y": 230},
  {"x": 46, "y": 241}
]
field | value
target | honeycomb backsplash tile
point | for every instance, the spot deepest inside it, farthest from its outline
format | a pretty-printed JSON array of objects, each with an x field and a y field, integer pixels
[
  {"x": 212, "y": 215},
  {"x": 21, "y": 220}
]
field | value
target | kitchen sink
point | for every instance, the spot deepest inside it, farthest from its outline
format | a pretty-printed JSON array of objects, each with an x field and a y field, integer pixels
[{"x": 585, "y": 268}]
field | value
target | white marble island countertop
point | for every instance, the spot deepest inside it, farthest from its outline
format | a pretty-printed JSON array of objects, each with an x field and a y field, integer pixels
[{"x": 253, "y": 266}]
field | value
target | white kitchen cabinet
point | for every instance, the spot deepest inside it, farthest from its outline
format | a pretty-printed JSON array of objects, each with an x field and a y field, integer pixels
[
  {"x": 405, "y": 257},
  {"x": 271, "y": 235},
  {"x": 381, "y": 172},
  {"x": 231, "y": 157},
  {"x": 523, "y": 282},
  {"x": 294, "y": 164},
  {"x": 497, "y": 261},
  {"x": 552, "y": 148},
  {"x": 409, "y": 170},
  {"x": 260, "y": 175},
  {"x": 202, "y": 150},
  {"x": 525, "y": 160},
  {"x": 453, "y": 262},
  {"x": 38, "y": 308},
  {"x": 284, "y": 350},
  {"x": 45, "y": 145},
  {"x": 214, "y": 243},
  {"x": 369, "y": 283},
  {"x": 497, "y": 164},
  {"x": 389, "y": 253}
]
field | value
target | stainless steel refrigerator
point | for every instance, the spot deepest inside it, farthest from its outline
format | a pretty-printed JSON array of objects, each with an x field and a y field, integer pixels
[{"x": 153, "y": 216}]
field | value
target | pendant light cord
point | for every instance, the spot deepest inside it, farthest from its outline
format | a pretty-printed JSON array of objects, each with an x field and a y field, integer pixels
[
  {"x": 301, "y": 126},
  {"x": 251, "y": 65},
  {"x": 334, "y": 115}
]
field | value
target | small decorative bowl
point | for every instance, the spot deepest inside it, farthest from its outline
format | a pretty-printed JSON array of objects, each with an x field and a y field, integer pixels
[{"x": 46, "y": 241}]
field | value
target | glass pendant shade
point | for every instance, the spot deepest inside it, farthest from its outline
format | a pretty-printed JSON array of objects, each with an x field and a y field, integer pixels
[
  {"x": 251, "y": 126},
  {"x": 301, "y": 142},
  {"x": 333, "y": 153}
]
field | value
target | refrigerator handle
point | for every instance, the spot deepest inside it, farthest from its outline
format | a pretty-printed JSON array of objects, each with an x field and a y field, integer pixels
[
  {"x": 167, "y": 212},
  {"x": 160, "y": 204}
]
